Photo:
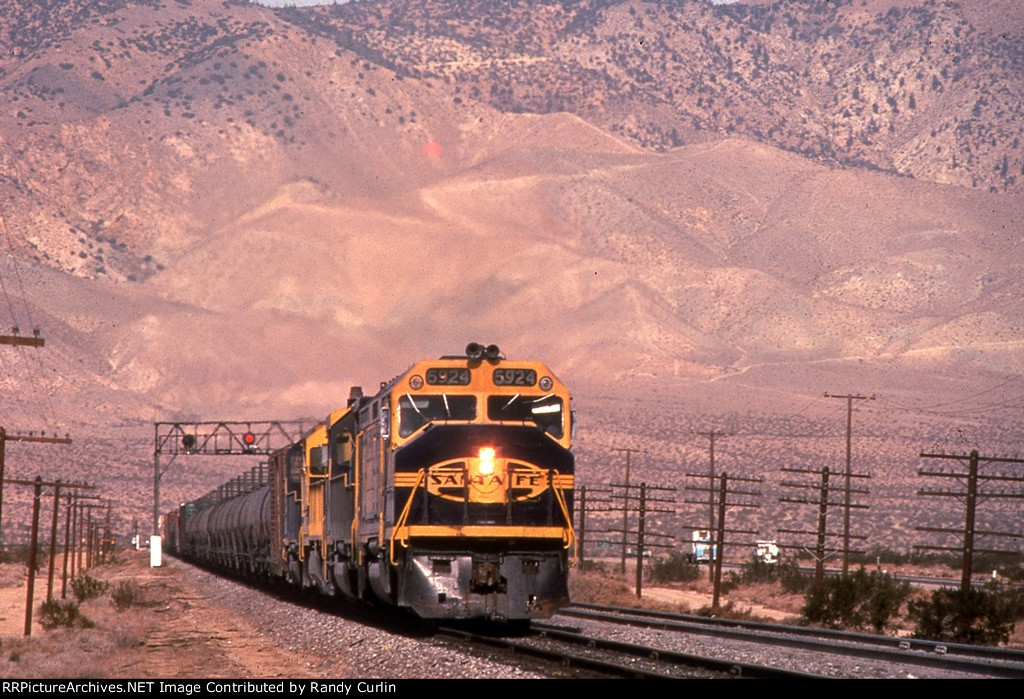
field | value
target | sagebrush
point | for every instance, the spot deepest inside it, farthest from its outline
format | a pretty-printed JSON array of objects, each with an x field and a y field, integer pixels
[
  {"x": 86, "y": 587},
  {"x": 860, "y": 600}
]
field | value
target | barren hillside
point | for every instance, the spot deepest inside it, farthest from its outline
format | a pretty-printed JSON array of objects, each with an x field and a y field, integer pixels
[{"x": 698, "y": 215}]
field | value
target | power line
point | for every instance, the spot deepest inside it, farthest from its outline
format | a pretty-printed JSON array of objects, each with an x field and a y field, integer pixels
[
  {"x": 45, "y": 407},
  {"x": 1013, "y": 402}
]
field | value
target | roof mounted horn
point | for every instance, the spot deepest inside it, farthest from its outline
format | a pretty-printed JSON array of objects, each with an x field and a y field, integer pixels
[{"x": 476, "y": 351}]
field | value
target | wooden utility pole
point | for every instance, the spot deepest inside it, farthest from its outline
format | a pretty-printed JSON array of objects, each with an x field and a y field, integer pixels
[
  {"x": 589, "y": 501},
  {"x": 53, "y": 540},
  {"x": 34, "y": 341},
  {"x": 641, "y": 520},
  {"x": 625, "y": 508},
  {"x": 848, "y": 474},
  {"x": 4, "y": 438},
  {"x": 971, "y": 495},
  {"x": 730, "y": 493},
  {"x": 711, "y": 434},
  {"x": 653, "y": 500},
  {"x": 68, "y": 518},
  {"x": 37, "y": 487},
  {"x": 821, "y": 550},
  {"x": 718, "y": 542}
]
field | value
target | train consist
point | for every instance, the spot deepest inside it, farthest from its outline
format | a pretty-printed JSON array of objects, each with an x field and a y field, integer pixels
[{"x": 449, "y": 492}]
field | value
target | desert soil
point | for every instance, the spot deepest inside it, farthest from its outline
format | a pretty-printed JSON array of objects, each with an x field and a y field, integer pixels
[
  {"x": 183, "y": 625},
  {"x": 180, "y": 627},
  {"x": 175, "y": 630}
]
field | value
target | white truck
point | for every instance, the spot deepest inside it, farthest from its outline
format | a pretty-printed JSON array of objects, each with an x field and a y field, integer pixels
[
  {"x": 767, "y": 551},
  {"x": 703, "y": 551}
]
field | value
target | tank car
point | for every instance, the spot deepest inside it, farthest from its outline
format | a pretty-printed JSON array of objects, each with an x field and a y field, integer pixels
[{"x": 449, "y": 492}]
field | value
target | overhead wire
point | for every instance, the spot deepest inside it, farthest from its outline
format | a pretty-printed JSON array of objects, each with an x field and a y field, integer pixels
[
  {"x": 37, "y": 381},
  {"x": 963, "y": 409}
]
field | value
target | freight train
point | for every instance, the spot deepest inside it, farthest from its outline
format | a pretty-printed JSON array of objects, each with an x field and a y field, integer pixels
[{"x": 449, "y": 493}]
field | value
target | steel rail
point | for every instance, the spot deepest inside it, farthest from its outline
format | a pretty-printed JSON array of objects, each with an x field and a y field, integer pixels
[
  {"x": 997, "y": 662},
  {"x": 609, "y": 666}
]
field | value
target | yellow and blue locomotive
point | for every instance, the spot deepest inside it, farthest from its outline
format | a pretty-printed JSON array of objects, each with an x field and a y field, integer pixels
[{"x": 449, "y": 492}]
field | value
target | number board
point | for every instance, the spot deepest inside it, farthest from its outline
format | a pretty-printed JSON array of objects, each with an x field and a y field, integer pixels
[
  {"x": 515, "y": 377},
  {"x": 448, "y": 377}
]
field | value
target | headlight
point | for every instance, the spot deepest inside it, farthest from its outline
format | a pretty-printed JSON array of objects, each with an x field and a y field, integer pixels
[{"x": 485, "y": 465}]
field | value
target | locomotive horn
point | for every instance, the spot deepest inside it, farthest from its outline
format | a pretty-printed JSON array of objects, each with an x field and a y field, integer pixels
[
  {"x": 492, "y": 352},
  {"x": 474, "y": 350}
]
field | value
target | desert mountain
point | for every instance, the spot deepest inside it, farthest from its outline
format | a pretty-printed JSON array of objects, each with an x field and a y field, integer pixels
[{"x": 697, "y": 214}]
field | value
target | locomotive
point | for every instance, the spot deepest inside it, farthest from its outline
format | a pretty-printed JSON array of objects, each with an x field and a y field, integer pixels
[{"x": 449, "y": 493}]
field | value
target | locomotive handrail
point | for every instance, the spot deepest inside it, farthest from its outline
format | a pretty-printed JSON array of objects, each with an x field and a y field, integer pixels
[
  {"x": 571, "y": 541},
  {"x": 400, "y": 524},
  {"x": 398, "y": 533}
]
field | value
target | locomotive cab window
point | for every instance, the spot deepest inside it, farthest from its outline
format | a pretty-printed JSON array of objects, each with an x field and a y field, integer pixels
[
  {"x": 318, "y": 461},
  {"x": 343, "y": 452},
  {"x": 416, "y": 411},
  {"x": 545, "y": 411},
  {"x": 296, "y": 463}
]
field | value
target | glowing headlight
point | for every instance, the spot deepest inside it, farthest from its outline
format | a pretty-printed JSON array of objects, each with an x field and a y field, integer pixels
[{"x": 486, "y": 456}]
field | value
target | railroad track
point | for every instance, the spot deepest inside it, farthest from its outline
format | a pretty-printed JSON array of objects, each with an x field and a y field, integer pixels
[
  {"x": 592, "y": 641},
  {"x": 803, "y": 642},
  {"x": 573, "y": 654}
]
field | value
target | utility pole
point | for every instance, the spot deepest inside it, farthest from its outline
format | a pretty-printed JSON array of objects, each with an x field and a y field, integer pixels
[
  {"x": 972, "y": 481},
  {"x": 819, "y": 549},
  {"x": 70, "y": 510},
  {"x": 654, "y": 500},
  {"x": 16, "y": 339},
  {"x": 37, "y": 494},
  {"x": 4, "y": 438},
  {"x": 848, "y": 474},
  {"x": 589, "y": 501},
  {"x": 727, "y": 496},
  {"x": 625, "y": 507},
  {"x": 711, "y": 434},
  {"x": 37, "y": 486},
  {"x": 821, "y": 534},
  {"x": 641, "y": 521}
]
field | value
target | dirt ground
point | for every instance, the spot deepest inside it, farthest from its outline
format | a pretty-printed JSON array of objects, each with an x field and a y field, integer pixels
[
  {"x": 745, "y": 603},
  {"x": 760, "y": 602},
  {"x": 171, "y": 631}
]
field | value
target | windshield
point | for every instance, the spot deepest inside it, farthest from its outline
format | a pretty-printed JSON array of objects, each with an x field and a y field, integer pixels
[
  {"x": 545, "y": 411},
  {"x": 416, "y": 411}
]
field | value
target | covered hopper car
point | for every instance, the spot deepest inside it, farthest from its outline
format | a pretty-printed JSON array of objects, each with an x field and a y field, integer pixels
[{"x": 449, "y": 492}]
